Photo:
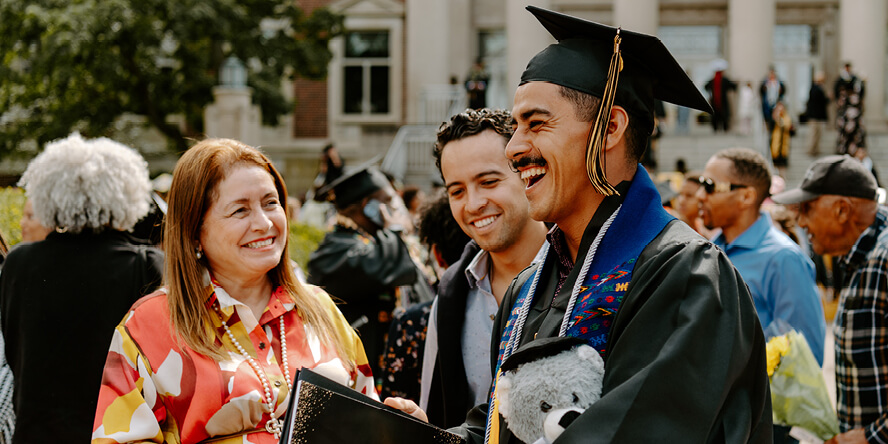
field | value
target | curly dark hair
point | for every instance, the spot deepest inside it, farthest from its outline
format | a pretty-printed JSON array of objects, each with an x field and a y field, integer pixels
[
  {"x": 469, "y": 123},
  {"x": 586, "y": 108},
  {"x": 750, "y": 168},
  {"x": 438, "y": 228}
]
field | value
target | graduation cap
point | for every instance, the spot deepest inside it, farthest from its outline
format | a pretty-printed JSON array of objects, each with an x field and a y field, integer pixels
[
  {"x": 621, "y": 67},
  {"x": 667, "y": 193},
  {"x": 539, "y": 349},
  {"x": 355, "y": 185}
]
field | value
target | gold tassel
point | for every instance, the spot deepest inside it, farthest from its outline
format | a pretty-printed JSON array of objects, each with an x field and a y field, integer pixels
[{"x": 595, "y": 153}]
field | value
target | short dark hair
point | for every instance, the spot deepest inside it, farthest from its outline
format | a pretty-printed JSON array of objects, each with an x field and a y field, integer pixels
[
  {"x": 469, "y": 123},
  {"x": 637, "y": 134},
  {"x": 438, "y": 228},
  {"x": 750, "y": 168}
]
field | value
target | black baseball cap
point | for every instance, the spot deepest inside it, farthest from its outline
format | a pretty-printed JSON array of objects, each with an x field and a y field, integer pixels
[{"x": 840, "y": 175}]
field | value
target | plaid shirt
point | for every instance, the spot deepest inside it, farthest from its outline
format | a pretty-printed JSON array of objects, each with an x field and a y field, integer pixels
[{"x": 861, "y": 331}]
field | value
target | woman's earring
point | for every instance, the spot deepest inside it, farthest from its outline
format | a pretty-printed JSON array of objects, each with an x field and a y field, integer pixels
[{"x": 198, "y": 252}]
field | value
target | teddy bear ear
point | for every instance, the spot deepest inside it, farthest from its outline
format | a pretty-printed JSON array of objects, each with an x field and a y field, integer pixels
[
  {"x": 588, "y": 353},
  {"x": 503, "y": 387}
]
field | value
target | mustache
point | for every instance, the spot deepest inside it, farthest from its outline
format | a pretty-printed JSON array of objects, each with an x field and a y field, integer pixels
[{"x": 527, "y": 161}]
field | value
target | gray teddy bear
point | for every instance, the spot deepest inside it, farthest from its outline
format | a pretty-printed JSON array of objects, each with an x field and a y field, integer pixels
[{"x": 546, "y": 384}]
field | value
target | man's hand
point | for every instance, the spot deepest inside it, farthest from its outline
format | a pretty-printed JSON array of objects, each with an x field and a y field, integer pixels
[
  {"x": 855, "y": 436},
  {"x": 407, "y": 406}
]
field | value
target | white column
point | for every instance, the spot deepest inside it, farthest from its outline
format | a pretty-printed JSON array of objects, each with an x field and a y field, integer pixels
[
  {"x": 526, "y": 37},
  {"x": 637, "y": 15},
  {"x": 463, "y": 39},
  {"x": 862, "y": 42},
  {"x": 428, "y": 50},
  {"x": 232, "y": 115},
  {"x": 750, "y": 36}
]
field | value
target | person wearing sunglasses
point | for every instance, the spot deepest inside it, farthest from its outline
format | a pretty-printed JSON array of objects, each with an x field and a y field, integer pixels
[{"x": 780, "y": 277}]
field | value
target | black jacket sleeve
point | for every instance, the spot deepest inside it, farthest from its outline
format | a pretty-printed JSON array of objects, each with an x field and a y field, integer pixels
[{"x": 345, "y": 262}]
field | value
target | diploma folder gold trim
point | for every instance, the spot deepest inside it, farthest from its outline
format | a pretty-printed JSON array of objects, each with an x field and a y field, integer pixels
[{"x": 324, "y": 411}]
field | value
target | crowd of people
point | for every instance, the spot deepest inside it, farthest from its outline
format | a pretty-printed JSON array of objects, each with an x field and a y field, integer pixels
[{"x": 193, "y": 329}]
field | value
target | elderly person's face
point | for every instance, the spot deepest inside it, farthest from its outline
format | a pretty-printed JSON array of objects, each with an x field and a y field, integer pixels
[
  {"x": 244, "y": 231},
  {"x": 32, "y": 229},
  {"x": 825, "y": 233}
]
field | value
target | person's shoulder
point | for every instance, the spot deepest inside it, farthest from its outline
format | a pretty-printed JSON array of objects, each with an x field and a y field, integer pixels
[
  {"x": 679, "y": 235},
  {"x": 151, "y": 304},
  {"x": 522, "y": 278},
  {"x": 456, "y": 270},
  {"x": 23, "y": 250},
  {"x": 881, "y": 247},
  {"x": 147, "y": 314},
  {"x": 678, "y": 246},
  {"x": 321, "y": 295}
]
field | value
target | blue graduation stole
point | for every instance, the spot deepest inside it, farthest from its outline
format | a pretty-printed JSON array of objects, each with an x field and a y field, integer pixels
[{"x": 641, "y": 218}]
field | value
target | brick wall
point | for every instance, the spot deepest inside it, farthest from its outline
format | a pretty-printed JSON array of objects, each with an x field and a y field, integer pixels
[
  {"x": 310, "y": 112},
  {"x": 310, "y": 96}
]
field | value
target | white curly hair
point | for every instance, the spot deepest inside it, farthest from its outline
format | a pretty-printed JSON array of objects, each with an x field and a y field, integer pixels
[{"x": 77, "y": 184}]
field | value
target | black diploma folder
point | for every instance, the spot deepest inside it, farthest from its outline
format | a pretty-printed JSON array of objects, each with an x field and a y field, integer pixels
[{"x": 323, "y": 411}]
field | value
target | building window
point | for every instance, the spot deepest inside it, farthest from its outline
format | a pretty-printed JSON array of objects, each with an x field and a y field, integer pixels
[{"x": 366, "y": 71}]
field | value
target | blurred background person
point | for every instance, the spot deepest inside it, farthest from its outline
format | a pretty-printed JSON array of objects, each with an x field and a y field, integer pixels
[
  {"x": 781, "y": 138},
  {"x": 364, "y": 262},
  {"x": 815, "y": 110},
  {"x": 687, "y": 206},
  {"x": 476, "y": 85},
  {"x": 413, "y": 198},
  {"x": 317, "y": 209},
  {"x": 719, "y": 88},
  {"x": 849, "y": 92},
  {"x": 404, "y": 349},
  {"x": 7, "y": 414},
  {"x": 771, "y": 91},
  {"x": 231, "y": 311},
  {"x": 32, "y": 229},
  {"x": 61, "y": 298},
  {"x": 745, "y": 108}
]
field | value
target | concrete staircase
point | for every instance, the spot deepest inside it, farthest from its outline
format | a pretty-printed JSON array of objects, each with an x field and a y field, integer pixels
[{"x": 701, "y": 143}]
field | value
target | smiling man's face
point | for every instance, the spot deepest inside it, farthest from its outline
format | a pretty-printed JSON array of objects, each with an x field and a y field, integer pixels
[
  {"x": 548, "y": 148},
  {"x": 486, "y": 197}
]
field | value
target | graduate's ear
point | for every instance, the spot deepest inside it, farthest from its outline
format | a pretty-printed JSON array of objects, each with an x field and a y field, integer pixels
[{"x": 616, "y": 126}]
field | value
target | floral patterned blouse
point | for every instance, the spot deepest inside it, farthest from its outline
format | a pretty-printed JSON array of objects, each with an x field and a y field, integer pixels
[{"x": 154, "y": 390}]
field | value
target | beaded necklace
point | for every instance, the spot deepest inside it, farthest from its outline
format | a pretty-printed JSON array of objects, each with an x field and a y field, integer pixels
[{"x": 273, "y": 425}]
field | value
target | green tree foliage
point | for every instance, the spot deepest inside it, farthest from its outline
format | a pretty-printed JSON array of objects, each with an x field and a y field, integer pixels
[
  {"x": 79, "y": 64},
  {"x": 304, "y": 240},
  {"x": 12, "y": 203}
]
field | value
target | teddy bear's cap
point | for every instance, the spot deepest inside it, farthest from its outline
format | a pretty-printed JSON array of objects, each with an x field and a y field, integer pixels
[{"x": 539, "y": 349}]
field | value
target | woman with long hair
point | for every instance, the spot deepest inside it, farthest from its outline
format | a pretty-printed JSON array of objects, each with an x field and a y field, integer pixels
[{"x": 212, "y": 355}]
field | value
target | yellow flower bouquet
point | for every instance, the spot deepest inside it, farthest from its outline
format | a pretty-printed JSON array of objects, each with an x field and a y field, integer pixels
[{"x": 798, "y": 392}]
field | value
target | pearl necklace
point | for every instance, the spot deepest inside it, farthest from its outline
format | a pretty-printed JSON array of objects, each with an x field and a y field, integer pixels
[{"x": 273, "y": 425}]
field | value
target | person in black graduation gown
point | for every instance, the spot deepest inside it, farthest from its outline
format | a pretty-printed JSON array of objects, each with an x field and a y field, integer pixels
[
  {"x": 673, "y": 320},
  {"x": 363, "y": 262}
]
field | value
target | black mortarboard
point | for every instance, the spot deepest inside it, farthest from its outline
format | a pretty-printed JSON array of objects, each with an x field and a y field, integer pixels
[
  {"x": 621, "y": 67},
  {"x": 354, "y": 185},
  {"x": 539, "y": 349}
]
